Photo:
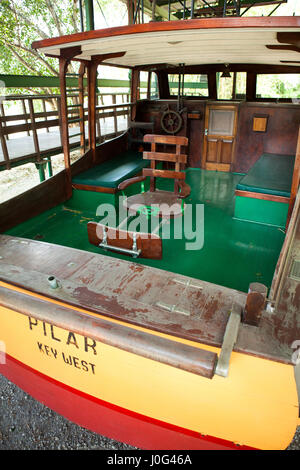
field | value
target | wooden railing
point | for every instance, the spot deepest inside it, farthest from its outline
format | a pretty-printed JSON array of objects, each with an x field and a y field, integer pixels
[{"x": 111, "y": 121}]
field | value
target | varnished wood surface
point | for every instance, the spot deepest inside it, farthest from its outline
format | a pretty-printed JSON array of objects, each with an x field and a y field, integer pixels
[
  {"x": 98, "y": 189},
  {"x": 194, "y": 360},
  {"x": 203, "y": 23},
  {"x": 33, "y": 202},
  {"x": 118, "y": 289},
  {"x": 286, "y": 287},
  {"x": 265, "y": 197},
  {"x": 149, "y": 244},
  {"x": 131, "y": 293},
  {"x": 295, "y": 180}
]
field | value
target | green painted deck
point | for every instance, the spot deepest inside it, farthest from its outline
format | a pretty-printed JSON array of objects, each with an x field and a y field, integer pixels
[{"x": 234, "y": 253}]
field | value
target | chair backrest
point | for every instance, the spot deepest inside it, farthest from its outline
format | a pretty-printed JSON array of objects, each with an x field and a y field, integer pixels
[{"x": 177, "y": 158}]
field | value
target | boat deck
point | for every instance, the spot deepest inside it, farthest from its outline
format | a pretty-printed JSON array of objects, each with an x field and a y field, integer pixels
[
  {"x": 188, "y": 296},
  {"x": 234, "y": 253}
]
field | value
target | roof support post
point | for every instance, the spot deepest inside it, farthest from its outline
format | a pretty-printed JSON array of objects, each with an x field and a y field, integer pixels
[
  {"x": 63, "y": 66},
  {"x": 92, "y": 96},
  {"x": 251, "y": 86},
  {"x": 66, "y": 56},
  {"x": 92, "y": 101},
  {"x": 134, "y": 92}
]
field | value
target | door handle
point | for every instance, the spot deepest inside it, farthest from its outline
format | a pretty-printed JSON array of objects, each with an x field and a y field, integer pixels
[{"x": 206, "y": 132}]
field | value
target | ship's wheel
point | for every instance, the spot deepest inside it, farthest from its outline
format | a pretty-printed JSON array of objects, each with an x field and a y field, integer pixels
[{"x": 171, "y": 122}]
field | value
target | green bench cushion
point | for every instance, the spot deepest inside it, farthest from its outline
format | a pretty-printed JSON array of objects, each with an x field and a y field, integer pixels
[
  {"x": 111, "y": 173},
  {"x": 271, "y": 174}
]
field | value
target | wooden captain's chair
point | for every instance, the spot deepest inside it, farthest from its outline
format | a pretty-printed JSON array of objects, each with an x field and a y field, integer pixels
[{"x": 155, "y": 197}]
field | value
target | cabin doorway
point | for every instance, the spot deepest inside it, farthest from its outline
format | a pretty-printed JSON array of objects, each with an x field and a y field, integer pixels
[{"x": 219, "y": 137}]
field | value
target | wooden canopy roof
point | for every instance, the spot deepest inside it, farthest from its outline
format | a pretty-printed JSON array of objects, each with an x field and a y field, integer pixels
[{"x": 250, "y": 40}]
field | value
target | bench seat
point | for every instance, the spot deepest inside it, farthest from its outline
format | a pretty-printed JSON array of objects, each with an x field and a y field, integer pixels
[
  {"x": 262, "y": 196},
  {"x": 271, "y": 174},
  {"x": 111, "y": 173}
]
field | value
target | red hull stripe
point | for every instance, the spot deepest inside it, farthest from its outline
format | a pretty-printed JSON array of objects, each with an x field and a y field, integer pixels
[{"x": 106, "y": 418}]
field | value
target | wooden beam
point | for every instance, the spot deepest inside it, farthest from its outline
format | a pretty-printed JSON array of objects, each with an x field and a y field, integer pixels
[
  {"x": 289, "y": 38},
  {"x": 81, "y": 108},
  {"x": 63, "y": 66},
  {"x": 212, "y": 86},
  {"x": 251, "y": 86},
  {"x": 101, "y": 57},
  {"x": 134, "y": 92},
  {"x": 163, "y": 173},
  {"x": 263, "y": 196},
  {"x": 255, "y": 303},
  {"x": 70, "y": 52},
  {"x": 283, "y": 48},
  {"x": 92, "y": 103},
  {"x": 196, "y": 24},
  {"x": 295, "y": 181}
]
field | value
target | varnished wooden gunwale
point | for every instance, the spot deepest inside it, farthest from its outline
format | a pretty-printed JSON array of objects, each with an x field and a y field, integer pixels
[
  {"x": 263, "y": 196},
  {"x": 78, "y": 270},
  {"x": 195, "y": 360}
]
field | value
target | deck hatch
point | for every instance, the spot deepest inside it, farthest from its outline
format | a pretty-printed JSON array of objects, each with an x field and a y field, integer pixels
[{"x": 295, "y": 270}]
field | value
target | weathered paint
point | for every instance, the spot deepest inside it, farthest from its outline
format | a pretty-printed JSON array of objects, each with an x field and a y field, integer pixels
[{"x": 244, "y": 408}]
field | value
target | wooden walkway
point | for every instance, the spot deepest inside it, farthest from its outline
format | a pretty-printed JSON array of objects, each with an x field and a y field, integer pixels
[
  {"x": 33, "y": 133},
  {"x": 22, "y": 148}
]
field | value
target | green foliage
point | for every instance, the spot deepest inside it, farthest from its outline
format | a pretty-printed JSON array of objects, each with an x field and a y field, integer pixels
[{"x": 24, "y": 21}]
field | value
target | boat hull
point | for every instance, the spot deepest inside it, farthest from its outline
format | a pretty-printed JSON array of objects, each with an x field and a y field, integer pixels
[{"x": 141, "y": 401}]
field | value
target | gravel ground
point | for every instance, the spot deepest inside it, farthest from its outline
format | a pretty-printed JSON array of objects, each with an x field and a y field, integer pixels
[{"x": 26, "y": 424}]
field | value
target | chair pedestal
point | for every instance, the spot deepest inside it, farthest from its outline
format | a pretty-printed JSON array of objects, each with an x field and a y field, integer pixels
[{"x": 157, "y": 203}]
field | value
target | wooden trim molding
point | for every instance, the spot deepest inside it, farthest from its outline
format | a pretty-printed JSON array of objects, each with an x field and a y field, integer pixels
[
  {"x": 265, "y": 197},
  {"x": 203, "y": 23},
  {"x": 98, "y": 189}
]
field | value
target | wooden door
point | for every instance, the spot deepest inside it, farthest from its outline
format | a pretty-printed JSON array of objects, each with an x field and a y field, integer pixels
[{"x": 219, "y": 138}]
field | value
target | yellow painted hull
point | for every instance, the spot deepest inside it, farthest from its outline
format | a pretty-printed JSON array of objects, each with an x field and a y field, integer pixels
[{"x": 255, "y": 406}]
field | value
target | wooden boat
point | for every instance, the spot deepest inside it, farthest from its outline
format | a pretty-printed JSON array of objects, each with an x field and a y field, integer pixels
[{"x": 177, "y": 352}]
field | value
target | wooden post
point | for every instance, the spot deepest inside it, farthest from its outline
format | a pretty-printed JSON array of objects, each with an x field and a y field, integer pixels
[
  {"x": 295, "y": 182},
  {"x": 114, "y": 102},
  {"x": 58, "y": 106},
  {"x": 92, "y": 86},
  {"x": 25, "y": 112},
  {"x": 134, "y": 91},
  {"x": 81, "y": 108},
  {"x": 153, "y": 9},
  {"x": 255, "y": 303},
  {"x": 44, "y": 109},
  {"x": 98, "y": 120},
  {"x": 251, "y": 86},
  {"x": 130, "y": 11},
  {"x": 63, "y": 66},
  {"x": 34, "y": 130},
  {"x": 92, "y": 97},
  {"x": 3, "y": 115},
  {"x": 39, "y": 162},
  {"x": 4, "y": 146}
]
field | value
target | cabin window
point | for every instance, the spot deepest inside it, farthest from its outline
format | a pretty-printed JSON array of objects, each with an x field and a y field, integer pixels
[
  {"x": 278, "y": 86},
  {"x": 194, "y": 85},
  {"x": 231, "y": 87}
]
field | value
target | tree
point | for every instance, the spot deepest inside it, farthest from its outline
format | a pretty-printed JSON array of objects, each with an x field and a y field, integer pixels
[{"x": 22, "y": 22}]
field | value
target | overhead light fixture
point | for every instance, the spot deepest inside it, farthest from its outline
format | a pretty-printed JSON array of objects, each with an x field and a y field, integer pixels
[{"x": 226, "y": 73}]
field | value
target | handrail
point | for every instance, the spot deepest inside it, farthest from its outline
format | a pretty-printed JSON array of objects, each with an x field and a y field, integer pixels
[{"x": 30, "y": 121}]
